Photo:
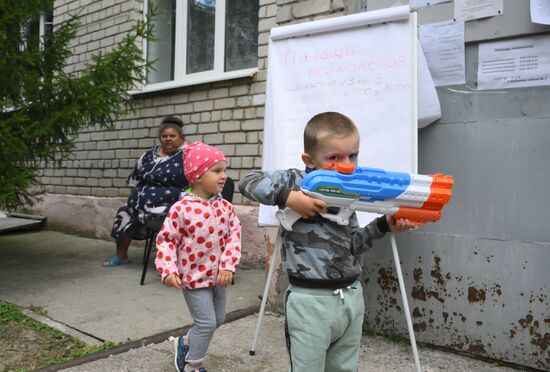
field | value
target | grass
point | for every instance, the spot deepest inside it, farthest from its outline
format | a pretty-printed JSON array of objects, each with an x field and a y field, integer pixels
[{"x": 26, "y": 344}]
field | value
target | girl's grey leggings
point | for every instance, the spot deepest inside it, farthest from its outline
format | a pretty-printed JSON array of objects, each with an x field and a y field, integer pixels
[{"x": 207, "y": 307}]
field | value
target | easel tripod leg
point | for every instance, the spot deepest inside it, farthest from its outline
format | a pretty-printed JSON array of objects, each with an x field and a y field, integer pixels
[
  {"x": 405, "y": 303},
  {"x": 272, "y": 265}
]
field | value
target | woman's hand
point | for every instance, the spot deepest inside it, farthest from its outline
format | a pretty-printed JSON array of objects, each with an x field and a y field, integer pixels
[
  {"x": 305, "y": 205},
  {"x": 172, "y": 280},
  {"x": 224, "y": 278},
  {"x": 400, "y": 225}
]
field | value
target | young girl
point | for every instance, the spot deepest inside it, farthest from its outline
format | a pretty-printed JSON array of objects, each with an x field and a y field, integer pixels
[{"x": 199, "y": 248}]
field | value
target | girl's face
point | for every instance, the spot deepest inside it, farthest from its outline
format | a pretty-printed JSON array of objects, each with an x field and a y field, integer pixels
[
  {"x": 212, "y": 181},
  {"x": 170, "y": 141},
  {"x": 333, "y": 149}
]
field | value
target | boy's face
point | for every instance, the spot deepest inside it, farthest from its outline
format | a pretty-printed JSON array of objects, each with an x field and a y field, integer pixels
[{"x": 332, "y": 149}]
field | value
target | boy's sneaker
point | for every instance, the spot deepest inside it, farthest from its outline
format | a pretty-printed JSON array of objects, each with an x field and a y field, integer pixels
[{"x": 180, "y": 351}]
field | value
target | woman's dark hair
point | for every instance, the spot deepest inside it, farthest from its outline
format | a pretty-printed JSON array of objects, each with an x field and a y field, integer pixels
[{"x": 173, "y": 123}]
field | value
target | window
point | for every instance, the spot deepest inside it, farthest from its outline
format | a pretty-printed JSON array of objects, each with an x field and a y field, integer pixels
[
  {"x": 197, "y": 41},
  {"x": 38, "y": 30}
]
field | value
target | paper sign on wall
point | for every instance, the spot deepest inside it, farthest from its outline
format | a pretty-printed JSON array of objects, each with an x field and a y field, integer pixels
[
  {"x": 474, "y": 9},
  {"x": 443, "y": 45},
  {"x": 540, "y": 11},
  {"x": 517, "y": 63}
]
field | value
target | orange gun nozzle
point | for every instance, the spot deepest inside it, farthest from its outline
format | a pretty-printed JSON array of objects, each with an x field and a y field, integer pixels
[{"x": 346, "y": 168}]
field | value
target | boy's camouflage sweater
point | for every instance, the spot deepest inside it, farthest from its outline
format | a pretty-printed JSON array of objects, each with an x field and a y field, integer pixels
[{"x": 317, "y": 253}]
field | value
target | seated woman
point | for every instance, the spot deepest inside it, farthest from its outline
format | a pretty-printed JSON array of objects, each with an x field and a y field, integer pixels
[{"x": 157, "y": 180}]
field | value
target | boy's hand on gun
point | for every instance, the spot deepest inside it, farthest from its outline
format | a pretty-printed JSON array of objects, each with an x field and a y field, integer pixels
[
  {"x": 172, "y": 280},
  {"x": 399, "y": 225},
  {"x": 305, "y": 205},
  {"x": 224, "y": 278}
]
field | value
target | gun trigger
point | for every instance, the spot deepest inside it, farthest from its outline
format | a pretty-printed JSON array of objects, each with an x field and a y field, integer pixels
[{"x": 333, "y": 210}]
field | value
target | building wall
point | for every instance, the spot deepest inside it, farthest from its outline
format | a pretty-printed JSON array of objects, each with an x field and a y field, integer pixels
[
  {"x": 83, "y": 194},
  {"x": 477, "y": 281},
  {"x": 228, "y": 114}
]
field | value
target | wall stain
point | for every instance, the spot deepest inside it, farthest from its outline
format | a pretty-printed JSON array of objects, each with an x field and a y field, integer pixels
[
  {"x": 419, "y": 327},
  {"x": 435, "y": 295},
  {"x": 533, "y": 335},
  {"x": 418, "y": 293},
  {"x": 477, "y": 348},
  {"x": 524, "y": 322},
  {"x": 436, "y": 272},
  {"x": 417, "y": 274},
  {"x": 387, "y": 280},
  {"x": 476, "y": 295},
  {"x": 541, "y": 341},
  {"x": 537, "y": 339}
]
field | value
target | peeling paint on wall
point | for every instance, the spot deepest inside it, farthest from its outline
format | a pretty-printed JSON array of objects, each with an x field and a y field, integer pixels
[{"x": 471, "y": 302}]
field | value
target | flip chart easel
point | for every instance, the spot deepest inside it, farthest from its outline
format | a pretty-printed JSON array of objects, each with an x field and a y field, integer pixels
[{"x": 362, "y": 65}]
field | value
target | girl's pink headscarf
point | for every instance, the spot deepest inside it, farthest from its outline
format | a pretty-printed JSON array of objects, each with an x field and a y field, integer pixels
[{"x": 198, "y": 158}]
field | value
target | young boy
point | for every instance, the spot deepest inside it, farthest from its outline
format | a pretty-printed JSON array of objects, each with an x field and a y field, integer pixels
[{"x": 324, "y": 301}]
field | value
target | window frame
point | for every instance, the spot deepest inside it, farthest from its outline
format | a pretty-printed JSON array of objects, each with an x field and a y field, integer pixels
[
  {"x": 41, "y": 31},
  {"x": 181, "y": 78}
]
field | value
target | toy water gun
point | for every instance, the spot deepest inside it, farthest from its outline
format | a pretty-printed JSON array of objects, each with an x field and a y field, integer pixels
[{"x": 418, "y": 198}]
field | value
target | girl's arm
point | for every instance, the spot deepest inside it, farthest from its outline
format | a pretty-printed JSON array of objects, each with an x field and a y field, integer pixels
[
  {"x": 168, "y": 239},
  {"x": 231, "y": 256}
]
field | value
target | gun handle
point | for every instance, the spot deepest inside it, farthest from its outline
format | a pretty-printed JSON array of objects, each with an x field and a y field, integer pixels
[
  {"x": 342, "y": 217},
  {"x": 287, "y": 217}
]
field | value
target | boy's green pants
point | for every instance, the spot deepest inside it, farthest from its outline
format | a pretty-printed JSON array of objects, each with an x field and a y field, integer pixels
[{"x": 323, "y": 328}]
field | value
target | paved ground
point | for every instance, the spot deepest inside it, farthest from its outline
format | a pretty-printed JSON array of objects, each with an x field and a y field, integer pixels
[
  {"x": 62, "y": 274},
  {"x": 229, "y": 353}
]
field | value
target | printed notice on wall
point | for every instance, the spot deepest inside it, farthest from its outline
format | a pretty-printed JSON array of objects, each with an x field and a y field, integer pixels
[
  {"x": 474, "y": 9},
  {"x": 443, "y": 45},
  {"x": 540, "y": 11},
  {"x": 515, "y": 63},
  {"x": 415, "y": 4}
]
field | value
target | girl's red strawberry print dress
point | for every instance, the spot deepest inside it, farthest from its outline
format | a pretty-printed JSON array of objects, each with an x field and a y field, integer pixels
[{"x": 197, "y": 239}]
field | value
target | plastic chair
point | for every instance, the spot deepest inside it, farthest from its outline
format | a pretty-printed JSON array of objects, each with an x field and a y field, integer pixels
[{"x": 153, "y": 227}]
